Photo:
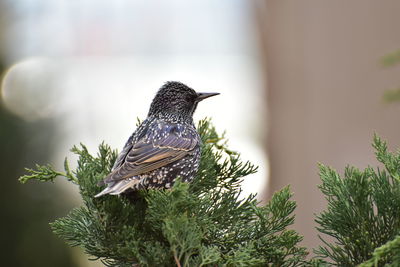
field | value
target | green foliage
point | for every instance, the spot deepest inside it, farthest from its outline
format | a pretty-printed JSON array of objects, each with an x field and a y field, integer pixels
[
  {"x": 205, "y": 223},
  {"x": 391, "y": 95},
  {"x": 389, "y": 252},
  {"x": 388, "y": 61},
  {"x": 46, "y": 173},
  {"x": 391, "y": 59},
  {"x": 363, "y": 212}
]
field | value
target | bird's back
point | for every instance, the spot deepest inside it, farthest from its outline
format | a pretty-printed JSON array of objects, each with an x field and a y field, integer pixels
[{"x": 155, "y": 155}]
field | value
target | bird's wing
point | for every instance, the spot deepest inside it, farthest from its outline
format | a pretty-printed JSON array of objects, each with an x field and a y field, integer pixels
[
  {"x": 160, "y": 146},
  {"x": 143, "y": 128},
  {"x": 121, "y": 157}
]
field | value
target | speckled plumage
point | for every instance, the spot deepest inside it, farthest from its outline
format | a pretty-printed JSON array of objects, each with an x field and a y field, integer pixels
[{"x": 165, "y": 146}]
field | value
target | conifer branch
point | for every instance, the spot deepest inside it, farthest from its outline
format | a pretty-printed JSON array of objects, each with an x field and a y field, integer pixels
[
  {"x": 204, "y": 223},
  {"x": 363, "y": 212},
  {"x": 46, "y": 173},
  {"x": 389, "y": 252}
]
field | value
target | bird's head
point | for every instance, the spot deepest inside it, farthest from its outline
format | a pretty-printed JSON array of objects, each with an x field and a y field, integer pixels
[{"x": 176, "y": 99}]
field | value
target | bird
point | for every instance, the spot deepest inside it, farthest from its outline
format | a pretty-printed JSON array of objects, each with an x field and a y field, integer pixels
[{"x": 165, "y": 146}]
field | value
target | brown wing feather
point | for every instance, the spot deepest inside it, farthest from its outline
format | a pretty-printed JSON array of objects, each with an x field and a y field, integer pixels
[{"x": 145, "y": 156}]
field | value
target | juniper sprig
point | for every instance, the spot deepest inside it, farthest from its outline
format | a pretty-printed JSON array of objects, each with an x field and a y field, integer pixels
[
  {"x": 202, "y": 223},
  {"x": 363, "y": 212}
]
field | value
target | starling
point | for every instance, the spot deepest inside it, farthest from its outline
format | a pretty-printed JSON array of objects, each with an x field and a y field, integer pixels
[{"x": 165, "y": 146}]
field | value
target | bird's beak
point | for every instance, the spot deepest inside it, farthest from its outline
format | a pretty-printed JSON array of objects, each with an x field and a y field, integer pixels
[{"x": 202, "y": 96}]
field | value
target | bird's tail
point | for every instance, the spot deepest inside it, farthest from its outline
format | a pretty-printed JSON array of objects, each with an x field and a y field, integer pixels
[{"x": 118, "y": 187}]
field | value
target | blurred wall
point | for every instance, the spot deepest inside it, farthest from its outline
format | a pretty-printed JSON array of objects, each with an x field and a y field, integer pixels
[{"x": 325, "y": 88}]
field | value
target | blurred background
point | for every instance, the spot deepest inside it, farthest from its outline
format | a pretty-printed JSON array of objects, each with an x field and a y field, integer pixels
[{"x": 300, "y": 82}]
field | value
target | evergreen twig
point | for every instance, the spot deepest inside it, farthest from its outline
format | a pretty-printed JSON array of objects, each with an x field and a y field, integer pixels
[
  {"x": 363, "y": 212},
  {"x": 205, "y": 223}
]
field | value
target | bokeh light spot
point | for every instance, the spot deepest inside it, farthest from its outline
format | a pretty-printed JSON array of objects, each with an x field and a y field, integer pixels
[{"x": 27, "y": 88}]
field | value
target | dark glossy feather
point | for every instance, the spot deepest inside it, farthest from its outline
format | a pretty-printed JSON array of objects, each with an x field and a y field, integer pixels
[{"x": 162, "y": 145}]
